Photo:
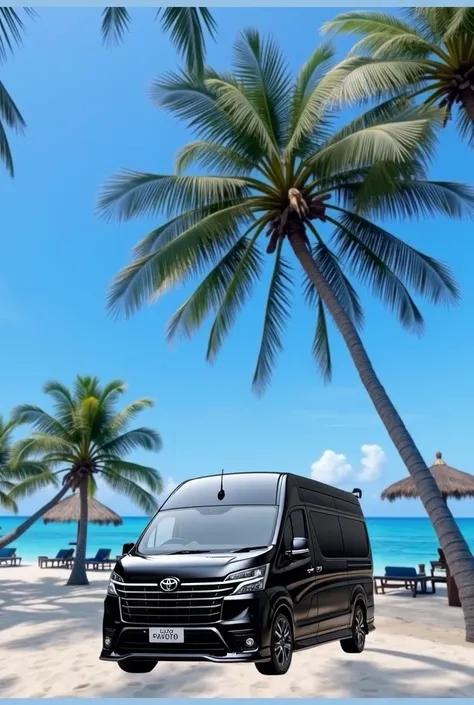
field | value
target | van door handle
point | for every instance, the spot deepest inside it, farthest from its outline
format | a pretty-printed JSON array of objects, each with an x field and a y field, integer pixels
[
  {"x": 310, "y": 570},
  {"x": 319, "y": 568}
]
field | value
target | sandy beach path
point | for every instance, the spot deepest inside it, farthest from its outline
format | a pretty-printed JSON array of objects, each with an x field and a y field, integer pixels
[{"x": 50, "y": 639}]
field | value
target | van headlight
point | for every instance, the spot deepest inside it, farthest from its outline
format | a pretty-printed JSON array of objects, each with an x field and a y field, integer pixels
[
  {"x": 251, "y": 580},
  {"x": 114, "y": 578}
]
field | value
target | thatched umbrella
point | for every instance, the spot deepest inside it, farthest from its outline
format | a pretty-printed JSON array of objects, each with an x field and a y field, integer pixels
[
  {"x": 69, "y": 510},
  {"x": 451, "y": 482}
]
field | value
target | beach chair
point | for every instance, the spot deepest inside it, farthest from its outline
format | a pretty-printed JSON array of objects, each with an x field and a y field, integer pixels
[
  {"x": 401, "y": 576},
  {"x": 63, "y": 559},
  {"x": 8, "y": 557},
  {"x": 440, "y": 564},
  {"x": 101, "y": 560}
]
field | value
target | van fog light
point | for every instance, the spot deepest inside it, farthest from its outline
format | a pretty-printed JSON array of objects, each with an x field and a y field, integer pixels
[
  {"x": 250, "y": 642},
  {"x": 107, "y": 642}
]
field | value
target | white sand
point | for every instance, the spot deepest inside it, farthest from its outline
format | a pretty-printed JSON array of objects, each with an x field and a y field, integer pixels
[{"x": 50, "y": 640}]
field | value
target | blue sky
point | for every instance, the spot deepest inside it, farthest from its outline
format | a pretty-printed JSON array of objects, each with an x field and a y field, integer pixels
[{"x": 88, "y": 115}]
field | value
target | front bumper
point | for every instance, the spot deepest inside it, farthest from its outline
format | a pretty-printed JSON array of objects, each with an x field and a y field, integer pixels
[{"x": 224, "y": 641}]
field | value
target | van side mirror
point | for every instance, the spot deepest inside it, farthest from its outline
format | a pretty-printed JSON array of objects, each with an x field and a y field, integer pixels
[
  {"x": 127, "y": 547},
  {"x": 299, "y": 548}
]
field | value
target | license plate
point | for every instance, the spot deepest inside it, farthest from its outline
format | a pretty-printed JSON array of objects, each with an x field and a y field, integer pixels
[{"x": 166, "y": 635}]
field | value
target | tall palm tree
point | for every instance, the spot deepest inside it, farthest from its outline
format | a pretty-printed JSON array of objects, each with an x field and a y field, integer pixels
[
  {"x": 186, "y": 25},
  {"x": 86, "y": 439},
  {"x": 12, "y": 28},
  {"x": 11, "y": 474},
  {"x": 429, "y": 53},
  {"x": 276, "y": 161}
]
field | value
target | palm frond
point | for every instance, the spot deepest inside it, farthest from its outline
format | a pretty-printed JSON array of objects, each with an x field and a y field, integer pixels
[
  {"x": 214, "y": 157},
  {"x": 131, "y": 193},
  {"x": 210, "y": 294},
  {"x": 409, "y": 137},
  {"x": 115, "y": 23},
  {"x": 12, "y": 29},
  {"x": 143, "y": 499},
  {"x": 309, "y": 98},
  {"x": 137, "y": 439},
  {"x": 321, "y": 347},
  {"x": 238, "y": 291},
  {"x": 174, "y": 263},
  {"x": 147, "y": 476},
  {"x": 423, "y": 274},
  {"x": 262, "y": 72},
  {"x": 39, "y": 419},
  {"x": 33, "y": 484},
  {"x": 187, "y": 27},
  {"x": 277, "y": 313},
  {"x": 364, "y": 78}
]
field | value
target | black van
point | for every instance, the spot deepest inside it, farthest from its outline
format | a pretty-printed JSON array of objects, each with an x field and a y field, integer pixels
[{"x": 248, "y": 567}]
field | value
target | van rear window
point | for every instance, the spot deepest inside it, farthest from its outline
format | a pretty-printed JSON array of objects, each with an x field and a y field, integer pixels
[{"x": 240, "y": 489}]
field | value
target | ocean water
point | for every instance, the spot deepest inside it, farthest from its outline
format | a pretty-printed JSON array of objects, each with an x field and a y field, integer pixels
[{"x": 395, "y": 541}]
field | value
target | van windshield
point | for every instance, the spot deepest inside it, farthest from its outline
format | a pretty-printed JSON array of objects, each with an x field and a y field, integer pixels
[{"x": 229, "y": 528}]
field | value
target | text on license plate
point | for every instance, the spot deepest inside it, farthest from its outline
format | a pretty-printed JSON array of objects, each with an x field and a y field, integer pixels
[{"x": 167, "y": 635}]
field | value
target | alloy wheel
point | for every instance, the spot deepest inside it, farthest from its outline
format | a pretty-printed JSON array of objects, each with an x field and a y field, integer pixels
[{"x": 282, "y": 641}]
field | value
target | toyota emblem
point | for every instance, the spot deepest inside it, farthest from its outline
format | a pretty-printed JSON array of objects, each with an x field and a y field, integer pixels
[{"x": 169, "y": 584}]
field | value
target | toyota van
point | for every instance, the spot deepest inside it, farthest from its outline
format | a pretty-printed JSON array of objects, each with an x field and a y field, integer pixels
[{"x": 246, "y": 567}]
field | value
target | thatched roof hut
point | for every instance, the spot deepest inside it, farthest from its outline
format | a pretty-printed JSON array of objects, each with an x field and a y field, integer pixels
[
  {"x": 451, "y": 482},
  {"x": 69, "y": 510}
]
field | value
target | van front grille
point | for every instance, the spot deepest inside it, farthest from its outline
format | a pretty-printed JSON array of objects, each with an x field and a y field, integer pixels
[{"x": 193, "y": 603}]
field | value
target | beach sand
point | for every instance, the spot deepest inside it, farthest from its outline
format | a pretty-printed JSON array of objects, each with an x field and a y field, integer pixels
[{"x": 50, "y": 640}]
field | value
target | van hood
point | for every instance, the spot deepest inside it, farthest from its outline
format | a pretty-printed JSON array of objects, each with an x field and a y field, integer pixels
[{"x": 197, "y": 566}]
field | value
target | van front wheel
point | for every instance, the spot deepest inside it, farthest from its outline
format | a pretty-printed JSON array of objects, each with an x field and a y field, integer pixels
[
  {"x": 355, "y": 644},
  {"x": 135, "y": 665},
  {"x": 281, "y": 647}
]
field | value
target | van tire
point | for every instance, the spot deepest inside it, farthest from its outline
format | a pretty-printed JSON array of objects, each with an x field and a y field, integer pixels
[
  {"x": 281, "y": 647},
  {"x": 135, "y": 665},
  {"x": 356, "y": 643}
]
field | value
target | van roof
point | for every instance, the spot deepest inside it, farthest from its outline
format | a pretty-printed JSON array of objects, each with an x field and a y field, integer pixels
[{"x": 200, "y": 490}]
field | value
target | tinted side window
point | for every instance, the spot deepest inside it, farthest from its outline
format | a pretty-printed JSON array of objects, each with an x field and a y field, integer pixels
[
  {"x": 298, "y": 524},
  {"x": 328, "y": 534},
  {"x": 355, "y": 538}
]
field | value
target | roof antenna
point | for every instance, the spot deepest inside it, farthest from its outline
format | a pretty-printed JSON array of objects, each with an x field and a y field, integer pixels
[{"x": 221, "y": 493}]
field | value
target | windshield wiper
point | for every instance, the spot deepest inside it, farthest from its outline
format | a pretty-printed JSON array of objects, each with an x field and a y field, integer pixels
[
  {"x": 248, "y": 548},
  {"x": 175, "y": 553}
]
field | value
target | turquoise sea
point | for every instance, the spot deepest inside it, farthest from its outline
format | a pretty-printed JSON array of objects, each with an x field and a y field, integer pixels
[{"x": 400, "y": 541}]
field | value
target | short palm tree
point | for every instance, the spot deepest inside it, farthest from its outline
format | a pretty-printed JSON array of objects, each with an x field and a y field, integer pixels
[
  {"x": 186, "y": 25},
  {"x": 87, "y": 439},
  {"x": 278, "y": 166},
  {"x": 429, "y": 53},
  {"x": 12, "y": 27}
]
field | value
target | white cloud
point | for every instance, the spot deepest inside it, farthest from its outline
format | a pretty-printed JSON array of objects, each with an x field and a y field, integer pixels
[
  {"x": 331, "y": 468},
  {"x": 334, "y": 469},
  {"x": 373, "y": 461}
]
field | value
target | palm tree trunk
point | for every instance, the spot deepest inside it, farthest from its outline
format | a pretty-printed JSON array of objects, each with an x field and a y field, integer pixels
[
  {"x": 78, "y": 573},
  {"x": 456, "y": 550},
  {"x": 19, "y": 530}
]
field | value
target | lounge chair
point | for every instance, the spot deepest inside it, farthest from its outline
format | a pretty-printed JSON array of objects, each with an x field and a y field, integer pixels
[
  {"x": 101, "y": 559},
  {"x": 8, "y": 557},
  {"x": 397, "y": 576},
  {"x": 63, "y": 559}
]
